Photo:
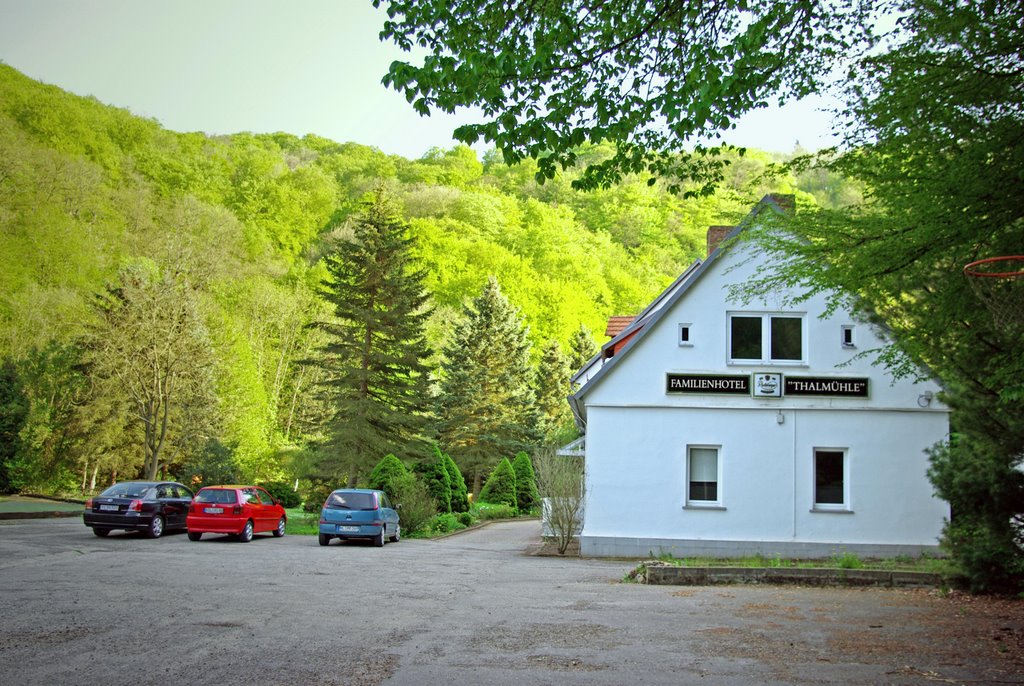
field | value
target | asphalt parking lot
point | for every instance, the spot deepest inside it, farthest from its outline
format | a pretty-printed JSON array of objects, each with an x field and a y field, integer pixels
[{"x": 469, "y": 609}]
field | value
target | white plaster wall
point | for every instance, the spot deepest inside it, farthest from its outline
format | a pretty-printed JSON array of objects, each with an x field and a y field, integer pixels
[{"x": 636, "y": 482}]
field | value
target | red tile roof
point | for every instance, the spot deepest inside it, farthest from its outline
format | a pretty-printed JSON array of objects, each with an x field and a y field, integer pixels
[{"x": 617, "y": 325}]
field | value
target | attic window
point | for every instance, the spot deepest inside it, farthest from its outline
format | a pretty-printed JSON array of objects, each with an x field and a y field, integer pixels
[
  {"x": 766, "y": 338},
  {"x": 847, "y": 336},
  {"x": 684, "y": 335}
]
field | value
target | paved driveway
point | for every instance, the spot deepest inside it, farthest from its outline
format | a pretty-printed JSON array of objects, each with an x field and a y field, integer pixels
[{"x": 469, "y": 609}]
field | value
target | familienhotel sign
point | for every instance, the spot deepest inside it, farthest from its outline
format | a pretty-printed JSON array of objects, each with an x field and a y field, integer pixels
[{"x": 766, "y": 385}]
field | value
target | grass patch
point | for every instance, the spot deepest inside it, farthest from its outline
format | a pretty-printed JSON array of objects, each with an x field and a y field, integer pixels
[
  {"x": 302, "y": 523},
  {"x": 903, "y": 563}
]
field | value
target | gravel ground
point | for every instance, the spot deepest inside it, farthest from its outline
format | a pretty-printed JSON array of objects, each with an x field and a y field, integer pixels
[{"x": 468, "y": 609}]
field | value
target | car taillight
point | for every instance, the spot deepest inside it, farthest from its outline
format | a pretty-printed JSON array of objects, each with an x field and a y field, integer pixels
[
  {"x": 135, "y": 506},
  {"x": 88, "y": 504},
  {"x": 237, "y": 509}
]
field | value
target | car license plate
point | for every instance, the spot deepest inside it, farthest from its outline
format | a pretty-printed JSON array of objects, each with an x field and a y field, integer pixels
[
  {"x": 213, "y": 510},
  {"x": 348, "y": 529},
  {"x": 108, "y": 508}
]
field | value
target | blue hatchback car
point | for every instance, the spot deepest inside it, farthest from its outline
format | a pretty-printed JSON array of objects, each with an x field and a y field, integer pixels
[{"x": 359, "y": 513}]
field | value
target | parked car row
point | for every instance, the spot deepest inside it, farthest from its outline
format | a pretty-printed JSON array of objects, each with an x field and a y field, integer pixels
[{"x": 154, "y": 507}]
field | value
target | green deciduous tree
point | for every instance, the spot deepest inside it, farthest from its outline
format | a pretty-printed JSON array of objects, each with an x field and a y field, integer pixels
[
  {"x": 940, "y": 123},
  {"x": 500, "y": 487},
  {"x": 652, "y": 77},
  {"x": 486, "y": 401},
  {"x": 151, "y": 348},
  {"x": 375, "y": 358}
]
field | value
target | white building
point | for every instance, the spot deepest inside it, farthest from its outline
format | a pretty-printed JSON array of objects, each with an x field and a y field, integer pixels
[{"x": 725, "y": 429}]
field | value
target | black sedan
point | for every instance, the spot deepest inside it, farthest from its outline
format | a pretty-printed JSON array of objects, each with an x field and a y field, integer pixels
[{"x": 148, "y": 506}]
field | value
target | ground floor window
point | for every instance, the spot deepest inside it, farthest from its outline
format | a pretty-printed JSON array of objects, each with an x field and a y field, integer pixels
[
  {"x": 830, "y": 479},
  {"x": 703, "y": 476}
]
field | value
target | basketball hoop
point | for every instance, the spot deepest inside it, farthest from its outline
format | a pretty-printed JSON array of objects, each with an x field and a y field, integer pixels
[{"x": 999, "y": 284}]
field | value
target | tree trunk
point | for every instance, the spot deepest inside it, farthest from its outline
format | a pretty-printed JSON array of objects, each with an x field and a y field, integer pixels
[{"x": 92, "y": 483}]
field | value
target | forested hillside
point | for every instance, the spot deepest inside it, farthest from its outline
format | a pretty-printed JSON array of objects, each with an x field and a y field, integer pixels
[{"x": 117, "y": 232}]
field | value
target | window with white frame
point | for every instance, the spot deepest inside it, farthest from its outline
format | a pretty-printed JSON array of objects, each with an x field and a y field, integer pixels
[
  {"x": 684, "y": 335},
  {"x": 703, "y": 476},
  {"x": 767, "y": 338},
  {"x": 831, "y": 479},
  {"x": 846, "y": 339}
]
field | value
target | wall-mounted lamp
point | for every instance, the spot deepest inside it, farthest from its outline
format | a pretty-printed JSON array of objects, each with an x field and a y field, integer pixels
[
  {"x": 925, "y": 399},
  {"x": 780, "y": 418}
]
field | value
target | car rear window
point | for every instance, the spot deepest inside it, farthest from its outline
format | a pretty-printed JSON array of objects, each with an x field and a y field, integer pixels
[
  {"x": 128, "y": 489},
  {"x": 216, "y": 495},
  {"x": 351, "y": 501}
]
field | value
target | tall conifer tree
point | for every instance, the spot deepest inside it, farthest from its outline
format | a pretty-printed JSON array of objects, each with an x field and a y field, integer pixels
[
  {"x": 375, "y": 361},
  {"x": 581, "y": 349},
  {"x": 487, "y": 407},
  {"x": 552, "y": 389}
]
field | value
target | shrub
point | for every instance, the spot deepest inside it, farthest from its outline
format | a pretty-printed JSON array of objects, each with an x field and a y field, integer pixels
[
  {"x": 416, "y": 507},
  {"x": 313, "y": 493},
  {"x": 501, "y": 485},
  {"x": 284, "y": 492},
  {"x": 387, "y": 474},
  {"x": 460, "y": 494},
  {"x": 486, "y": 511},
  {"x": 435, "y": 477},
  {"x": 465, "y": 518},
  {"x": 445, "y": 523},
  {"x": 526, "y": 482}
]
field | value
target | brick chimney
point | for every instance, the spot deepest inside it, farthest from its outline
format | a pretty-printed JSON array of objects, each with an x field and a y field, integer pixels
[
  {"x": 716, "y": 234},
  {"x": 785, "y": 202}
]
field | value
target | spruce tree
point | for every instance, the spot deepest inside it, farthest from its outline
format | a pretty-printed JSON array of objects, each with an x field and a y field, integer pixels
[
  {"x": 526, "y": 482},
  {"x": 552, "y": 390},
  {"x": 581, "y": 349},
  {"x": 375, "y": 360},
  {"x": 460, "y": 494},
  {"x": 434, "y": 474},
  {"x": 501, "y": 485},
  {"x": 486, "y": 402}
]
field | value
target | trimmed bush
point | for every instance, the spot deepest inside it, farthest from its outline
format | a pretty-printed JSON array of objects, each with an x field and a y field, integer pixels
[
  {"x": 387, "y": 474},
  {"x": 415, "y": 506},
  {"x": 460, "y": 494},
  {"x": 283, "y": 491},
  {"x": 446, "y": 523},
  {"x": 465, "y": 518},
  {"x": 435, "y": 477},
  {"x": 526, "y": 482},
  {"x": 501, "y": 485}
]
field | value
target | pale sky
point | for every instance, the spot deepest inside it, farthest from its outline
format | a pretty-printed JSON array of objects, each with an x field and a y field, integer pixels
[{"x": 302, "y": 66}]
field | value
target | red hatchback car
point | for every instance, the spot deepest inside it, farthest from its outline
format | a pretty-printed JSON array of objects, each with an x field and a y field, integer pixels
[{"x": 237, "y": 510}]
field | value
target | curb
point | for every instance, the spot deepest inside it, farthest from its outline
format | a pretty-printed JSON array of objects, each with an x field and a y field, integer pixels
[
  {"x": 670, "y": 575},
  {"x": 42, "y": 514}
]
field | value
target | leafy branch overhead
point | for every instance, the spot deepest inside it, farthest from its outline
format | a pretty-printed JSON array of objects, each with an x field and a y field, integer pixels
[{"x": 658, "y": 79}]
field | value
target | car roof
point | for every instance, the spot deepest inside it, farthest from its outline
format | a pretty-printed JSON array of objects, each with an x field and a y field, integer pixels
[
  {"x": 357, "y": 490},
  {"x": 228, "y": 486}
]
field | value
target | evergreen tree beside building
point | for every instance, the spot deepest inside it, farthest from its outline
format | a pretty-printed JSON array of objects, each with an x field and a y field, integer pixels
[
  {"x": 581, "y": 348},
  {"x": 486, "y": 404},
  {"x": 376, "y": 360},
  {"x": 552, "y": 388}
]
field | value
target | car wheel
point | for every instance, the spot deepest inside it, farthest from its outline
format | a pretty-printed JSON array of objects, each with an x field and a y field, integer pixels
[
  {"x": 246, "y": 534},
  {"x": 398, "y": 534},
  {"x": 156, "y": 527},
  {"x": 279, "y": 531},
  {"x": 195, "y": 535},
  {"x": 324, "y": 539},
  {"x": 102, "y": 533},
  {"x": 378, "y": 540}
]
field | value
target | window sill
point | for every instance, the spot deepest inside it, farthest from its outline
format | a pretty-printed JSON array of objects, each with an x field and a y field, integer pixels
[
  {"x": 694, "y": 506},
  {"x": 829, "y": 510}
]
